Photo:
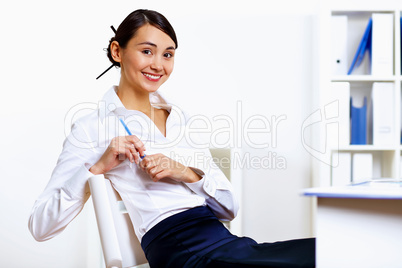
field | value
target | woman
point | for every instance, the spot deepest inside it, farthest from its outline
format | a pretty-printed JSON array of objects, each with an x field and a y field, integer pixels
[{"x": 174, "y": 195}]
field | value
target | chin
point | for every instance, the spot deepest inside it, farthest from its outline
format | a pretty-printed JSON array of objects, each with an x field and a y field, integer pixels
[{"x": 152, "y": 90}]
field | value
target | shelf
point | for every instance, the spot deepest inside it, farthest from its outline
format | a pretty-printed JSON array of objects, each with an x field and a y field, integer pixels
[
  {"x": 365, "y": 78},
  {"x": 386, "y": 161},
  {"x": 360, "y": 11},
  {"x": 367, "y": 147}
]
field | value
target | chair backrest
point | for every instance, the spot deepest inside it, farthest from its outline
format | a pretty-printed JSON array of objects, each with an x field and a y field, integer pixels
[
  {"x": 228, "y": 160},
  {"x": 120, "y": 245}
]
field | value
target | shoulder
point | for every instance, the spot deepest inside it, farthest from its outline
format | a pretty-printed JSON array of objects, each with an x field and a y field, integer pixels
[
  {"x": 88, "y": 114},
  {"x": 81, "y": 124},
  {"x": 84, "y": 115}
]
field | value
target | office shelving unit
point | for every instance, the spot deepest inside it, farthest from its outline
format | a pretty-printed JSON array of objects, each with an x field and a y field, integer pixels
[{"x": 386, "y": 159}]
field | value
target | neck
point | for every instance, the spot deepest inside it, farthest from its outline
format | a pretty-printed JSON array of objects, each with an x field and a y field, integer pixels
[{"x": 134, "y": 99}]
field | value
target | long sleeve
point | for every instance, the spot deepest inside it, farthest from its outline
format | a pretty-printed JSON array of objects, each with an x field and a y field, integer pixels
[
  {"x": 216, "y": 189},
  {"x": 67, "y": 191}
]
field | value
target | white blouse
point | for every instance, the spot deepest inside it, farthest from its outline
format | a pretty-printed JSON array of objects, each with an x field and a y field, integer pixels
[{"x": 147, "y": 202}]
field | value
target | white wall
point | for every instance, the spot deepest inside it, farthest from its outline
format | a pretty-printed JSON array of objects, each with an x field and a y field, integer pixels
[
  {"x": 249, "y": 51},
  {"x": 268, "y": 69}
]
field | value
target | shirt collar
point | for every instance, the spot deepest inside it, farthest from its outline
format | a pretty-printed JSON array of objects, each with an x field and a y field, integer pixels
[{"x": 111, "y": 103}]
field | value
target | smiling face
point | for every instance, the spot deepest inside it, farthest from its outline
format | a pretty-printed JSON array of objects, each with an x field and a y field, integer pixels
[{"x": 147, "y": 60}]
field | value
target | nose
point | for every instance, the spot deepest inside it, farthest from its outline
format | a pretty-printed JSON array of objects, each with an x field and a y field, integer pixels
[{"x": 157, "y": 64}]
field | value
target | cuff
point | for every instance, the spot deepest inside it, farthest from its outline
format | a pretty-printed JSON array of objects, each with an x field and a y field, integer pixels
[
  {"x": 77, "y": 185},
  {"x": 204, "y": 187}
]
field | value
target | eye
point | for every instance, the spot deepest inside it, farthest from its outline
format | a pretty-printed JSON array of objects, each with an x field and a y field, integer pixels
[
  {"x": 147, "y": 52},
  {"x": 168, "y": 55}
]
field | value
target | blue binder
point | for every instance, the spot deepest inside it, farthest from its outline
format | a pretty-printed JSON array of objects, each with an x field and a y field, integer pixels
[
  {"x": 358, "y": 123},
  {"x": 365, "y": 45}
]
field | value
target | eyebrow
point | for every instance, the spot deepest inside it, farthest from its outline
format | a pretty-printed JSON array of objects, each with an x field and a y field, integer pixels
[{"x": 154, "y": 45}]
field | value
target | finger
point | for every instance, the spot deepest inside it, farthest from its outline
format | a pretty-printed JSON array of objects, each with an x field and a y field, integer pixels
[
  {"x": 115, "y": 148},
  {"x": 129, "y": 155},
  {"x": 142, "y": 165},
  {"x": 119, "y": 147},
  {"x": 154, "y": 170},
  {"x": 136, "y": 158},
  {"x": 134, "y": 140},
  {"x": 148, "y": 164},
  {"x": 161, "y": 175},
  {"x": 138, "y": 144},
  {"x": 133, "y": 153},
  {"x": 145, "y": 163},
  {"x": 128, "y": 150}
]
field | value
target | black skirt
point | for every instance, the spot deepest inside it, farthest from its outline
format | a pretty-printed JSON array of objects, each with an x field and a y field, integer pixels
[{"x": 196, "y": 238}]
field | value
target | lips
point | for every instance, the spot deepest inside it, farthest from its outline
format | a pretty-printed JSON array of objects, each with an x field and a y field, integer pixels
[{"x": 152, "y": 77}]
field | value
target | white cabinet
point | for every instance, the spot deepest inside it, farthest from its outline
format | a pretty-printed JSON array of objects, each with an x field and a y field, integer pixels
[{"x": 386, "y": 157}]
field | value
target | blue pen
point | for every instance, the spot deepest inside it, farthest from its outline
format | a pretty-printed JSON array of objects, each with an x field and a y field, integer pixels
[{"x": 129, "y": 133}]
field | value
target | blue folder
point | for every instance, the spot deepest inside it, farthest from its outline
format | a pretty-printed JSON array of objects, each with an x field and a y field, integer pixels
[
  {"x": 365, "y": 45},
  {"x": 358, "y": 123}
]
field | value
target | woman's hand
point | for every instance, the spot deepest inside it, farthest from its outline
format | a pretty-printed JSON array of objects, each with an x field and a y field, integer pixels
[
  {"x": 119, "y": 149},
  {"x": 159, "y": 166}
]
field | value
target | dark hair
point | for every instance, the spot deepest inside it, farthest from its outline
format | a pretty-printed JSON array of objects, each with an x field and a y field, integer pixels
[{"x": 135, "y": 20}]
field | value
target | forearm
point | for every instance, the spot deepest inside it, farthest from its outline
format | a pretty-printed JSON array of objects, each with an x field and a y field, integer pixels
[
  {"x": 60, "y": 203},
  {"x": 50, "y": 217}
]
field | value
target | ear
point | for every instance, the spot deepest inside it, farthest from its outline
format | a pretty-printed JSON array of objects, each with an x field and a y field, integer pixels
[{"x": 115, "y": 51}]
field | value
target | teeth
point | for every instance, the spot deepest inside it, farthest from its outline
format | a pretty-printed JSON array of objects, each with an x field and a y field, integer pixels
[{"x": 152, "y": 76}]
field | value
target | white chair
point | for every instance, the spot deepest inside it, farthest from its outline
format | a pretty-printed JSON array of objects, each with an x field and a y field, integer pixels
[{"x": 120, "y": 245}]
